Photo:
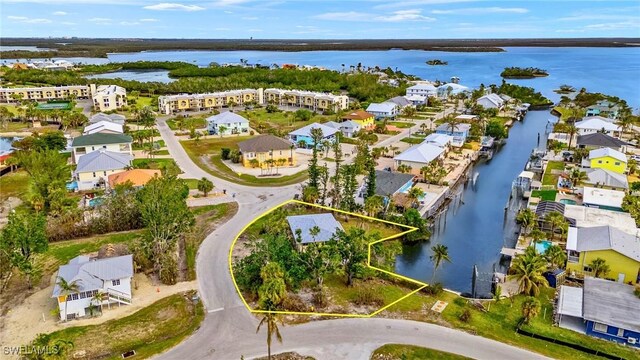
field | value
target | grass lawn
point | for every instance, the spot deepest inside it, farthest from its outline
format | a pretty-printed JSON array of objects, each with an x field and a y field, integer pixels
[
  {"x": 187, "y": 123},
  {"x": 413, "y": 140},
  {"x": 399, "y": 124},
  {"x": 398, "y": 352},
  {"x": 501, "y": 119},
  {"x": 155, "y": 164},
  {"x": 566, "y": 113},
  {"x": 261, "y": 120},
  {"x": 149, "y": 331},
  {"x": 552, "y": 179},
  {"x": 192, "y": 183},
  {"x": 15, "y": 184},
  {"x": 211, "y": 149},
  {"x": 141, "y": 101},
  {"x": 549, "y": 195}
]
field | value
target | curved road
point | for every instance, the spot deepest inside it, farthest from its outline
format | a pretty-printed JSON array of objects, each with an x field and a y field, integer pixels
[{"x": 229, "y": 329}]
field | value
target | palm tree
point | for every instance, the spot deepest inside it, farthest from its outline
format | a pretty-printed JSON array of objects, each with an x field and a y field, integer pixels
[
  {"x": 326, "y": 145},
  {"x": 527, "y": 268},
  {"x": 404, "y": 168},
  {"x": 373, "y": 205},
  {"x": 415, "y": 194},
  {"x": 577, "y": 176},
  {"x": 271, "y": 320},
  {"x": 556, "y": 256},
  {"x": 527, "y": 218},
  {"x": 571, "y": 129},
  {"x": 440, "y": 254},
  {"x": 66, "y": 289},
  {"x": 100, "y": 298},
  {"x": 271, "y": 294},
  {"x": 537, "y": 235},
  {"x": 530, "y": 309},
  {"x": 557, "y": 221},
  {"x": 599, "y": 267}
]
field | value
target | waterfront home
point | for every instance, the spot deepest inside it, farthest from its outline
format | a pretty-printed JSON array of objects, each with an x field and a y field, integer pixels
[
  {"x": 86, "y": 144},
  {"x": 601, "y": 308},
  {"x": 607, "y": 179},
  {"x": 620, "y": 250},
  {"x": 302, "y": 227},
  {"x": 546, "y": 207},
  {"x": 491, "y": 101},
  {"x": 114, "y": 118},
  {"x": 460, "y": 132},
  {"x": 136, "y": 177},
  {"x": 390, "y": 183},
  {"x": 257, "y": 151},
  {"x": 606, "y": 158},
  {"x": 227, "y": 123},
  {"x": 604, "y": 108},
  {"x": 103, "y": 127},
  {"x": 169, "y": 104},
  {"x": 582, "y": 216},
  {"x": 450, "y": 89},
  {"x": 602, "y": 198},
  {"x": 593, "y": 124},
  {"x": 94, "y": 168},
  {"x": 302, "y": 137},
  {"x": 419, "y": 156},
  {"x": 365, "y": 119},
  {"x": 108, "y": 97},
  {"x": 442, "y": 140},
  {"x": 417, "y": 100},
  {"x": 109, "y": 276},
  {"x": 467, "y": 117},
  {"x": 401, "y": 101},
  {"x": 600, "y": 140},
  {"x": 383, "y": 110},
  {"x": 422, "y": 89}
]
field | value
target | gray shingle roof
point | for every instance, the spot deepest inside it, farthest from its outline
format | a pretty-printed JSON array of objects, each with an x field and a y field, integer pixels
[
  {"x": 103, "y": 160},
  {"x": 91, "y": 274},
  {"x": 400, "y": 101},
  {"x": 611, "y": 303},
  {"x": 606, "y": 178},
  {"x": 327, "y": 224},
  {"x": 101, "y": 139},
  {"x": 607, "y": 237},
  {"x": 600, "y": 139},
  {"x": 264, "y": 143},
  {"x": 388, "y": 182},
  {"x": 114, "y": 118}
]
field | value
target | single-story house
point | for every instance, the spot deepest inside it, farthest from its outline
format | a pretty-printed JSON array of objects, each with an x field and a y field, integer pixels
[
  {"x": 114, "y": 118},
  {"x": 620, "y": 250},
  {"x": 451, "y": 89},
  {"x": 441, "y": 140},
  {"x": 603, "y": 309},
  {"x": 419, "y": 156},
  {"x": 424, "y": 90},
  {"x": 137, "y": 177},
  {"x": 257, "y": 150},
  {"x": 606, "y": 158},
  {"x": 110, "y": 276},
  {"x": 365, "y": 119},
  {"x": 390, "y": 183},
  {"x": 227, "y": 123},
  {"x": 94, "y": 168},
  {"x": 86, "y": 144},
  {"x": 582, "y": 216},
  {"x": 467, "y": 117},
  {"x": 401, "y": 101},
  {"x": 491, "y": 101},
  {"x": 594, "y": 124},
  {"x": 104, "y": 127},
  {"x": 600, "y": 140},
  {"x": 302, "y": 226},
  {"x": 607, "y": 179},
  {"x": 459, "y": 133},
  {"x": 303, "y": 135},
  {"x": 602, "y": 198},
  {"x": 383, "y": 110}
]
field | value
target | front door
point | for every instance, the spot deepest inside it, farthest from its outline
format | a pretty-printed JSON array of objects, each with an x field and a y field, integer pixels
[{"x": 621, "y": 277}]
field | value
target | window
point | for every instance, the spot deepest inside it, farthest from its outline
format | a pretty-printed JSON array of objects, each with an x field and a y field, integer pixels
[
  {"x": 105, "y": 173},
  {"x": 620, "y": 332},
  {"x": 83, "y": 295},
  {"x": 617, "y": 163},
  {"x": 94, "y": 293},
  {"x": 94, "y": 174},
  {"x": 115, "y": 282},
  {"x": 599, "y": 161},
  {"x": 599, "y": 327},
  {"x": 74, "y": 297},
  {"x": 81, "y": 150}
]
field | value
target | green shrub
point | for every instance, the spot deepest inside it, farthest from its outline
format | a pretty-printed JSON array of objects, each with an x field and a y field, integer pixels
[
  {"x": 433, "y": 289},
  {"x": 465, "y": 316},
  {"x": 367, "y": 296},
  {"x": 224, "y": 153}
]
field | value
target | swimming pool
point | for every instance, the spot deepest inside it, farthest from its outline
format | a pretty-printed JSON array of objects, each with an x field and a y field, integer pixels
[
  {"x": 568, "y": 201},
  {"x": 542, "y": 246}
]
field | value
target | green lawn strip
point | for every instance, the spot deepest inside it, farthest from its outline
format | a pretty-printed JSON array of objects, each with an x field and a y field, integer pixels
[
  {"x": 155, "y": 164},
  {"x": 549, "y": 195},
  {"x": 566, "y": 113},
  {"x": 192, "y": 183},
  {"x": 211, "y": 148},
  {"x": 64, "y": 251},
  {"x": 15, "y": 184},
  {"x": 399, "y": 124},
  {"x": 197, "y": 122},
  {"x": 388, "y": 290},
  {"x": 149, "y": 331},
  {"x": 549, "y": 178},
  {"x": 413, "y": 140},
  {"x": 501, "y": 119},
  {"x": 280, "y": 118},
  {"x": 140, "y": 101},
  {"x": 398, "y": 352}
]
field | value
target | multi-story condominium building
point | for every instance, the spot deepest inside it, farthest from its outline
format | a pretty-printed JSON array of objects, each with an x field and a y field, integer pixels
[
  {"x": 316, "y": 101},
  {"x": 45, "y": 93},
  {"x": 170, "y": 104},
  {"x": 108, "y": 97}
]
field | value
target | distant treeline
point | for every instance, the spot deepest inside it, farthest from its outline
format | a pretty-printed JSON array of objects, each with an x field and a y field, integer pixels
[{"x": 523, "y": 73}]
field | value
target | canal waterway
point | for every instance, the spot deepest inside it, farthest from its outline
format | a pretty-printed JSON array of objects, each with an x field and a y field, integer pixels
[{"x": 474, "y": 230}]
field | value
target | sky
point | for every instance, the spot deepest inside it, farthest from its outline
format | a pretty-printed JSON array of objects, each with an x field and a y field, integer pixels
[{"x": 327, "y": 19}]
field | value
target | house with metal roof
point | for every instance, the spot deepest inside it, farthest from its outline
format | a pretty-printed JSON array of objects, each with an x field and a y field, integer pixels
[
  {"x": 302, "y": 137},
  {"x": 460, "y": 132},
  {"x": 441, "y": 140},
  {"x": 109, "y": 276},
  {"x": 422, "y": 89},
  {"x": 603, "y": 309},
  {"x": 104, "y": 127},
  {"x": 383, "y": 110},
  {"x": 620, "y": 250},
  {"x": 419, "y": 156},
  {"x": 602, "y": 198},
  {"x": 93, "y": 169},
  {"x": 606, "y": 158},
  {"x": 594, "y": 124},
  {"x": 491, "y": 101},
  {"x": 607, "y": 179},
  {"x": 227, "y": 123},
  {"x": 401, "y": 101},
  {"x": 86, "y": 144},
  {"x": 257, "y": 151},
  {"x": 114, "y": 118},
  {"x": 600, "y": 140},
  {"x": 313, "y": 228}
]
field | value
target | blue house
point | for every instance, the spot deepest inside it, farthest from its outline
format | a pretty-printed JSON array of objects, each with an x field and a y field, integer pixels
[
  {"x": 227, "y": 123},
  {"x": 302, "y": 137},
  {"x": 602, "y": 308},
  {"x": 460, "y": 132}
]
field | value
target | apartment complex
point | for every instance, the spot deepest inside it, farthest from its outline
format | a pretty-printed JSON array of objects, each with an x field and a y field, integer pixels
[
  {"x": 170, "y": 104},
  {"x": 108, "y": 97},
  {"x": 316, "y": 101},
  {"x": 105, "y": 97}
]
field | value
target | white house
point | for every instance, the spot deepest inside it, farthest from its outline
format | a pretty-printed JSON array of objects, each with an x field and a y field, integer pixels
[
  {"x": 93, "y": 169},
  {"x": 417, "y": 99},
  {"x": 418, "y": 156},
  {"x": 383, "y": 110},
  {"x": 348, "y": 128},
  {"x": 491, "y": 101},
  {"x": 424, "y": 90},
  {"x": 451, "y": 89},
  {"x": 110, "y": 276},
  {"x": 114, "y": 118},
  {"x": 441, "y": 140},
  {"x": 401, "y": 101},
  {"x": 303, "y": 135},
  {"x": 86, "y": 144},
  {"x": 227, "y": 123},
  {"x": 103, "y": 127},
  {"x": 594, "y": 124}
]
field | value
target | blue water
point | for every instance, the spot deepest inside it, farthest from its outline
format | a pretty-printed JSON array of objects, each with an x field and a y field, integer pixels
[
  {"x": 147, "y": 76},
  {"x": 5, "y": 143},
  {"x": 568, "y": 201},
  {"x": 542, "y": 246}
]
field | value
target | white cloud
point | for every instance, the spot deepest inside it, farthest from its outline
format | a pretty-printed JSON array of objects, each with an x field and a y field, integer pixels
[
  {"x": 68, "y": 23},
  {"x": 129, "y": 23},
  {"x": 173, "y": 6},
  {"x": 11, "y": 17},
  {"x": 613, "y": 26},
  {"x": 228, "y": 12},
  {"x": 344, "y": 16},
  {"x": 149, "y": 20},
  {"x": 400, "y": 4},
  {"x": 229, "y": 2},
  {"x": 100, "y": 21},
  {"x": 404, "y": 15},
  {"x": 222, "y": 29},
  {"x": 59, "y": 13},
  {"x": 249, "y": 18},
  {"x": 26, "y": 20},
  {"x": 396, "y": 16},
  {"x": 569, "y": 31},
  {"x": 255, "y": 30},
  {"x": 597, "y": 17},
  {"x": 485, "y": 10}
]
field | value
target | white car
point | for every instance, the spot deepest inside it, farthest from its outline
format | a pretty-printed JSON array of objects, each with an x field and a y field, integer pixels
[{"x": 635, "y": 157}]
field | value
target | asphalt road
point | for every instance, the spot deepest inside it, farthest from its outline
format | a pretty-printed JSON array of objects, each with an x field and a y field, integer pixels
[{"x": 229, "y": 329}]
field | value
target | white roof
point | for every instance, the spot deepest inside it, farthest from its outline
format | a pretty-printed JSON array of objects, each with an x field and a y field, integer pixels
[
  {"x": 115, "y": 118},
  {"x": 570, "y": 301},
  {"x": 598, "y": 153},
  {"x": 602, "y": 118},
  {"x": 454, "y": 87},
  {"x": 306, "y": 131},
  {"x": 385, "y": 107},
  {"x": 428, "y": 87},
  {"x": 110, "y": 89},
  {"x": 493, "y": 98},
  {"x": 103, "y": 125},
  {"x": 91, "y": 274},
  {"x": 602, "y": 197},
  {"x": 441, "y": 140},
  {"x": 526, "y": 174},
  {"x": 415, "y": 97},
  {"x": 572, "y": 238},
  {"x": 588, "y": 217},
  {"x": 606, "y": 178},
  {"x": 466, "y": 117},
  {"x": 103, "y": 160},
  {"x": 227, "y": 117},
  {"x": 594, "y": 123},
  {"x": 421, "y": 153}
]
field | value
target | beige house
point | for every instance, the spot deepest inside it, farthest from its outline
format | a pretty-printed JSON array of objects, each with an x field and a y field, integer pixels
[
  {"x": 170, "y": 104},
  {"x": 316, "y": 101},
  {"x": 45, "y": 93},
  {"x": 94, "y": 169},
  {"x": 108, "y": 97}
]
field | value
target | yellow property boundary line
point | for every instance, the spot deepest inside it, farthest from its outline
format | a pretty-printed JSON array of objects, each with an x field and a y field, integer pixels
[{"x": 410, "y": 229}]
